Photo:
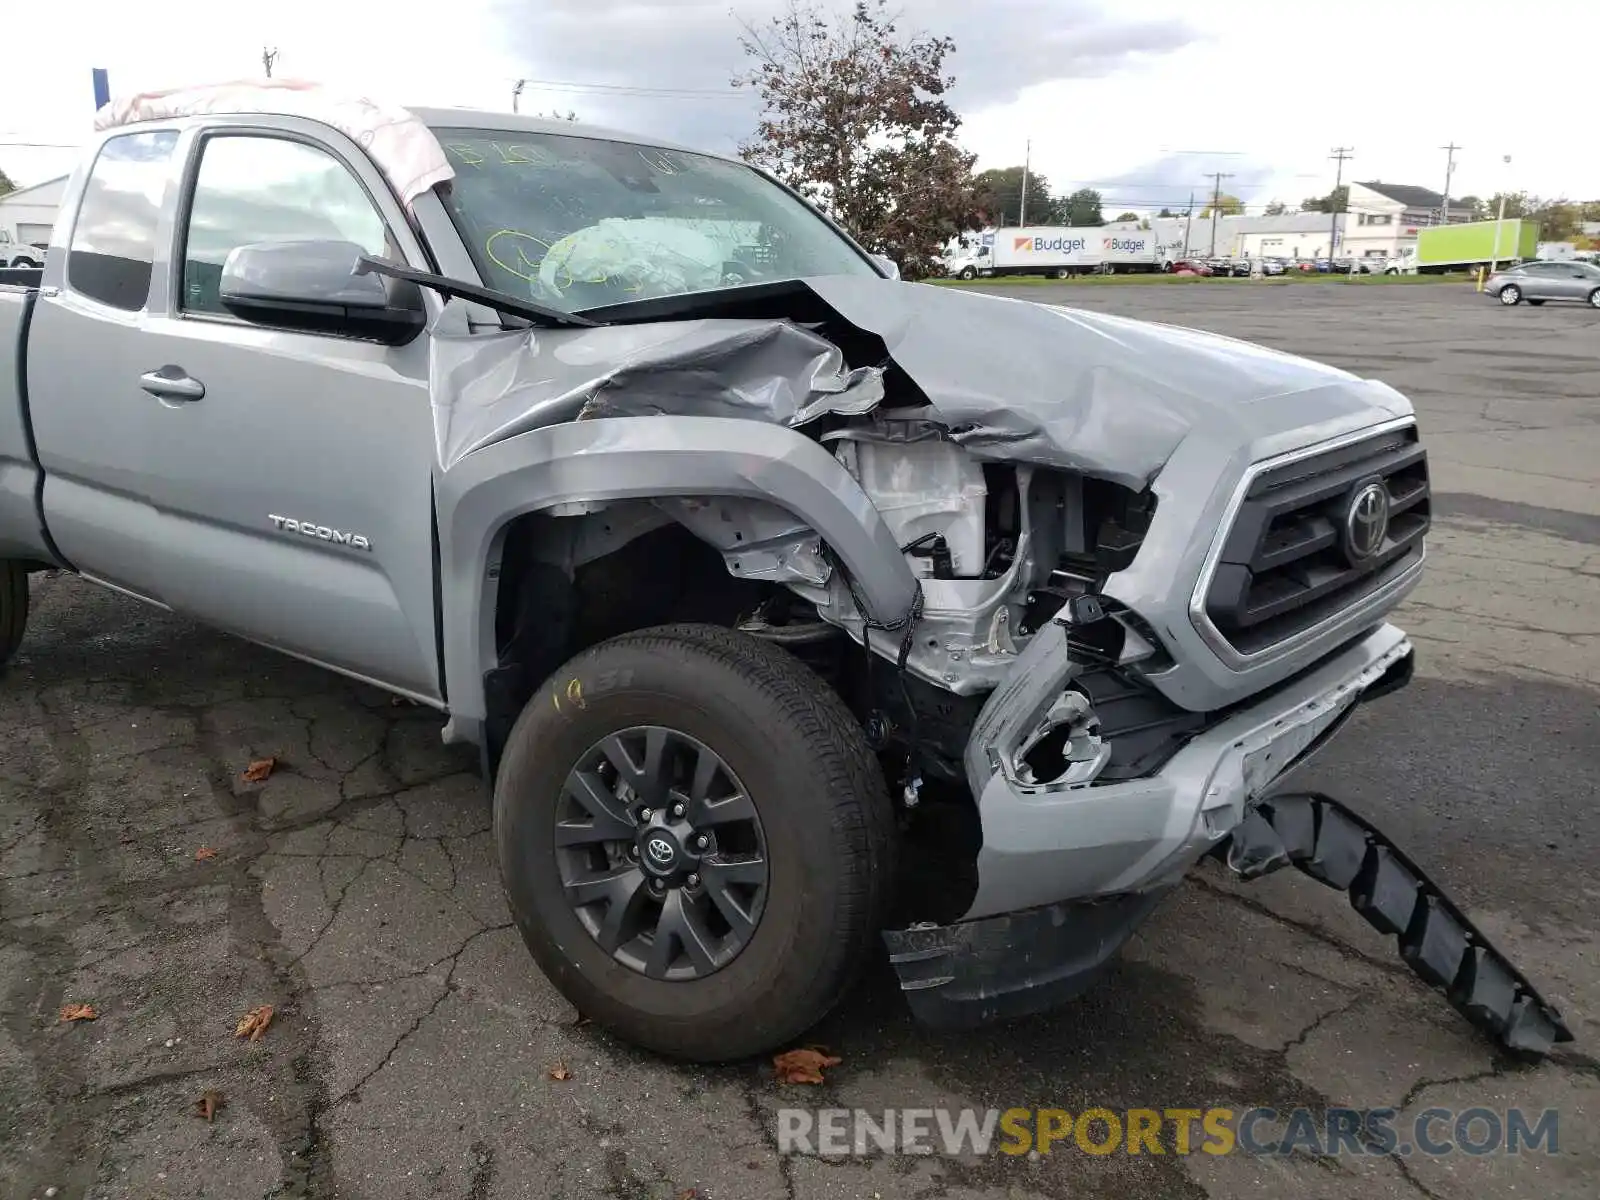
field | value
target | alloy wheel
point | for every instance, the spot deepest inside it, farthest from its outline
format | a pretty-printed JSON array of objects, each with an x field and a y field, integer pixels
[{"x": 661, "y": 853}]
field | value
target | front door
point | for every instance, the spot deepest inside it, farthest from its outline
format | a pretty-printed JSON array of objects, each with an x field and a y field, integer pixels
[{"x": 291, "y": 471}]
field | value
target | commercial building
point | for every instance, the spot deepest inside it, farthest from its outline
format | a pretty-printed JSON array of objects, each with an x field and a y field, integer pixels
[{"x": 27, "y": 214}]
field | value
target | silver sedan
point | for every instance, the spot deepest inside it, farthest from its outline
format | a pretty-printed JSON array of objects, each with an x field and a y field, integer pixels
[{"x": 1537, "y": 282}]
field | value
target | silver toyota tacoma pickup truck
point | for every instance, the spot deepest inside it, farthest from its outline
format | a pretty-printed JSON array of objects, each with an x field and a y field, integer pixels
[{"x": 795, "y": 609}]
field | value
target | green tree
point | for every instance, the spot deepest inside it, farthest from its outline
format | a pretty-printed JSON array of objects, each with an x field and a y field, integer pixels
[
  {"x": 1128, "y": 216},
  {"x": 5, "y": 184},
  {"x": 1559, "y": 220},
  {"x": 1226, "y": 205},
  {"x": 1080, "y": 208},
  {"x": 1337, "y": 200},
  {"x": 854, "y": 116},
  {"x": 1470, "y": 205},
  {"x": 1000, "y": 194},
  {"x": 1166, "y": 212},
  {"x": 1517, "y": 204},
  {"x": 1275, "y": 208}
]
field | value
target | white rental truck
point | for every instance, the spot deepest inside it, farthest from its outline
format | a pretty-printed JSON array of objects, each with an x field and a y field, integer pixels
[{"x": 1055, "y": 250}]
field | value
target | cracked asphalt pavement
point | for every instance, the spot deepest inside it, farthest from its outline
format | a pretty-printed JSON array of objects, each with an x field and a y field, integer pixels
[{"x": 413, "y": 1041}]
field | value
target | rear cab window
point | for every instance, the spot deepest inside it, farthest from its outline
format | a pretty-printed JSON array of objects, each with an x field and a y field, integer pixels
[{"x": 112, "y": 253}]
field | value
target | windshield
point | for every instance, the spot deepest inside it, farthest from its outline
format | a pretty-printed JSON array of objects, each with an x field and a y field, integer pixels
[{"x": 577, "y": 222}]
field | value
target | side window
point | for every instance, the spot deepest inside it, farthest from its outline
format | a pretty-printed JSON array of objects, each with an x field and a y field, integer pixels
[
  {"x": 114, "y": 237},
  {"x": 266, "y": 189}
]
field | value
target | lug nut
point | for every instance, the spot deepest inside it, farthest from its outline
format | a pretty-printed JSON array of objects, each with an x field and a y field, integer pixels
[
  {"x": 693, "y": 881},
  {"x": 645, "y": 814},
  {"x": 656, "y": 885},
  {"x": 678, "y": 810},
  {"x": 702, "y": 842},
  {"x": 633, "y": 852}
]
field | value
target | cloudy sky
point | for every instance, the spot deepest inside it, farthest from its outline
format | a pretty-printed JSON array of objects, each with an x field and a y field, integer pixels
[{"x": 1139, "y": 98}]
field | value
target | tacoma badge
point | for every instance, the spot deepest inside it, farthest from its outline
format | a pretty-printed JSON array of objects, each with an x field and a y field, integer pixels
[{"x": 320, "y": 532}]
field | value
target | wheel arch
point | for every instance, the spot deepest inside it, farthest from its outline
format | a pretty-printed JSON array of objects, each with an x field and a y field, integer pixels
[{"x": 584, "y": 490}]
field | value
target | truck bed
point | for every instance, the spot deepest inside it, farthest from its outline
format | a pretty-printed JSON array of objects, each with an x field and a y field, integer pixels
[{"x": 22, "y": 534}]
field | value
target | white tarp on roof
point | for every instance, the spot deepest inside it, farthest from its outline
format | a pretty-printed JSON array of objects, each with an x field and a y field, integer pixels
[{"x": 403, "y": 147}]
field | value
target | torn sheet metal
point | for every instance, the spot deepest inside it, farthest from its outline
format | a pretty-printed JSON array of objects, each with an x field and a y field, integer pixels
[
  {"x": 487, "y": 388},
  {"x": 1010, "y": 380}
]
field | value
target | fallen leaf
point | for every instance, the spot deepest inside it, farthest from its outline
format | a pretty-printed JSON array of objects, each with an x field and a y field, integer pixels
[
  {"x": 78, "y": 1012},
  {"x": 689, "y": 1194},
  {"x": 254, "y": 1023},
  {"x": 804, "y": 1065},
  {"x": 560, "y": 1073},
  {"x": 210, "y": 1100},
  {"x": 259, "y": 770},
  {"x": 204, "y": 853}
]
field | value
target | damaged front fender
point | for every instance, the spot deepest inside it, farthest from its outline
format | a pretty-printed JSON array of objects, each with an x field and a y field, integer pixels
[{"x": 589, "y": 463}]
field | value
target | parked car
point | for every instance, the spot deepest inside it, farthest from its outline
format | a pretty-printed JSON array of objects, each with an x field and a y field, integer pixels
[
  {"x": 20, "y": 255},
  {"x": 1274, "y": 266},
  {"x": 1191, "y": 266},
  {"x": 553, "y": 461},
  {"x": 1537, "y": 282}
]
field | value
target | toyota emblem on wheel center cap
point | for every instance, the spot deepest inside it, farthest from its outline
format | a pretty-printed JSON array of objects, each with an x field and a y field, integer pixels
[
  {"x": 1366, "y": 522},
  {"x": 661, "y": 852}
]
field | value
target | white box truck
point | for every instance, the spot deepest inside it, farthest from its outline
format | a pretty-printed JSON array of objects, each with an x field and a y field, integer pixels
[{"x": 1055, "y": 250}]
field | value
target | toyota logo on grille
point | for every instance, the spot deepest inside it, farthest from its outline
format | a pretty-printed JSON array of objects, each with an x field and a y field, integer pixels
[
  {"x": 1366, "y": 523},
  {"x": 660, "y": 851}
]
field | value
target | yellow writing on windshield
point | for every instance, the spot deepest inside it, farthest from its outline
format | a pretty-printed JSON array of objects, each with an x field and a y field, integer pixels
[{"x": 511, "y": 244}]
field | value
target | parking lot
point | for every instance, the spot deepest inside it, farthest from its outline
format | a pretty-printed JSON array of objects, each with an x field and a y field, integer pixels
[{"x": 415, "y": 1050}]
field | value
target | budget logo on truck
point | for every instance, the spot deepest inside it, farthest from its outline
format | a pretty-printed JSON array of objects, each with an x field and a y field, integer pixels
[
  {"x": 1124, "y": 245},
  {"x": 1038, "y": 244}
]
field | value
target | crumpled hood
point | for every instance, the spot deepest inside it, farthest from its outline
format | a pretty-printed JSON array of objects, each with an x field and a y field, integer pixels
[{"x": 1009, "y": 379}]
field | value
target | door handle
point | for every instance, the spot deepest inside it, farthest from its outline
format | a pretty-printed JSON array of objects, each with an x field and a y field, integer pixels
[{"x": 172, "y": 383}]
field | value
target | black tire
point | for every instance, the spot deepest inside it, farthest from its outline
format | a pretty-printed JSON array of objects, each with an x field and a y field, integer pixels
[
  {"x": 13, "y": 608},
  {"x": 821, "y": 801},
  {"x": 1594, "y": 298},
  {"x": 969, "y": 273}
]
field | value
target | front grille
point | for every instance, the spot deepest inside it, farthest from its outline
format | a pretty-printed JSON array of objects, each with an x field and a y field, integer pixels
[{"x": 1291, "y": 562}]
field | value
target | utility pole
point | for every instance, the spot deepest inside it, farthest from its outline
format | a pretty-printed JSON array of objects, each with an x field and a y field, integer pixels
[
  {"x": 1339, "y": 155},
  {"x": 1499, "y": 218},
  {"x": 1022, "y": 205},
  {"x": 1216, "y": 199},
  {"x": 1188, "y": 221},
  {"x": 1449, "y": 170},
  {"x": 268, "y": 58},
  {"x": 516, "y": 93}
]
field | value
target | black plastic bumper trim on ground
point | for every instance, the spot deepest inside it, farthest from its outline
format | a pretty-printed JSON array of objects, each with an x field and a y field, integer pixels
[
  {"x": 1335, "y": 846},
  {"x": 1012, "y": 965}
]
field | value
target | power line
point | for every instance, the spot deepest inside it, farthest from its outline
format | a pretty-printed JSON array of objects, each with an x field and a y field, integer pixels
[{"x": 630, "y": 89}]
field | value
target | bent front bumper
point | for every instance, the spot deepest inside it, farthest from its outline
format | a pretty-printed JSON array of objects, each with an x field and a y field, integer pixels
[{"x": 1067, "y": 870}]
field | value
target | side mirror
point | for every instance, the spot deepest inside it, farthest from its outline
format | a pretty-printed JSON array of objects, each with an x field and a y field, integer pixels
[
  {"x": 313, "y": 287},
  {"x": 887, "y": 265}
]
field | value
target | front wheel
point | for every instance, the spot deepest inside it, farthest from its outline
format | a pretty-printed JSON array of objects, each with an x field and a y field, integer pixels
[
  {"x": 969, "y": 273},
  {"x": 13, "y": 608},
  {"x": 1594, "y": 298},
  {"x": 694, "y": 837},
  {"x": 1510, "y": 294}
]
